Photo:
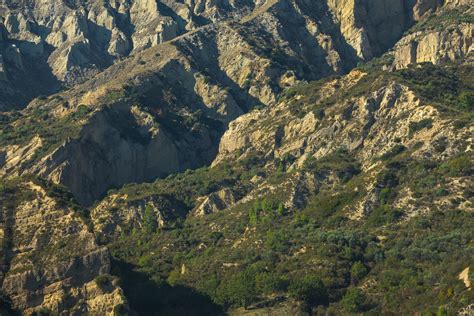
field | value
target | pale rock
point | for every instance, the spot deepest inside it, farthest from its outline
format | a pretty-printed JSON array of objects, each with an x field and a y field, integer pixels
[
  {"x": 115, "y": 214},
  {"x": 55, "y": 259},
  {"x": 453, "y": 43},
  {"x": 119, "y": 44},
  {"x": 215, "y": 202},
  {"x": 88, "y": 168},
  {"x": 15, "y": 155}
]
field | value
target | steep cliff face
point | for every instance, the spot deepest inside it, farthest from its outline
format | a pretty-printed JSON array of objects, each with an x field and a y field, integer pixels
[
  {"x": 367, "y": 126},
  {"x": 192, "y": 86},
  {"x": 372, "y": 27},
  {"x": 65, "y": 43},
  {"x": 446, "y": 36},
  {"x": 50, "y": 260},
  {"x": 210, "y": 76}
]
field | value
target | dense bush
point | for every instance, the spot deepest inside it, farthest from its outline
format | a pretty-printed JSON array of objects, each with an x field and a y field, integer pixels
[
  {"x": 358, "y": 272},
  {"x": 309, "y": 289},
  {"x": 268, "y": 283},
  {"x": 103, "y": 281},
  {"x": 354, "y": 300}
]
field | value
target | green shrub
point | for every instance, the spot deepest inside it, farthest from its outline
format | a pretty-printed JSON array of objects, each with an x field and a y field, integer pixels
[
  {"x": 239, "y": 290},
  {"x": 395, "y": 151},
  {"x": 354, "y": 300},
  {"x": 113, "y": 96},
  {"x": 277, "y": 241},
  {"x": 466, "y": 100},
  {"x": 383, "y": 215},
  {"x": 309, "y": 289},
  {"x": 103, "y": 281},
  {"x": 457, "y": 167},
  {"x": 268, "y": 283},
  {"x": 418, "y": 126},
  {"x": 358, "y": 272},
  {"x": 149, "y": 220}
]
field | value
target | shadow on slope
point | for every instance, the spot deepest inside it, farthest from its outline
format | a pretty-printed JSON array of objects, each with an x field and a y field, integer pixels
[{"x": 148, "y": 297}]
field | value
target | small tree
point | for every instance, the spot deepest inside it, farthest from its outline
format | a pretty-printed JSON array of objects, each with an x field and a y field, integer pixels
[
  {"x": 354, "y": 301},
  {"x": 358, "y": 272},
  {"x": 149, "y": 220},
  {"x": 238, "y": 290},
  {"x": 309, "y": 289},
  {"x": 253, "y": 217},
  {"x": 466, "y": 99},
  {"x": 281, "y": 209},
  {"x": 268, "y": 283}
]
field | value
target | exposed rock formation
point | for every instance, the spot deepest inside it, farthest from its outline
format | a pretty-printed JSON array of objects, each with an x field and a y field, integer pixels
[
  {"x": 453, "y": 43},
  {"x": 116, "y": 214},
  {"x": 367, "y": 126},
  {"x": 185, "y": 82},
  {"x": 50, "y": 258},
  {"x": 354, "y": 125},
  {"x": 66, "y": 43},
  {"x": 217, "y": 72},
  {"x": 215, "y": 202}
]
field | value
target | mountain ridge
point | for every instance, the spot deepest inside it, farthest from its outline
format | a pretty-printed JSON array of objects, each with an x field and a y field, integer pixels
[{"x": 234, "y": 165}]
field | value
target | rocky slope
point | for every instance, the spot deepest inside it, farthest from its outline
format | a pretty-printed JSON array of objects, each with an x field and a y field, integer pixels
[
  {"x": 293, "y": 186},
  {"x": 299, "y": 171},
  {"x": 76, "y": 39},
  {"x": 65, "y": 42},
  {"x": 191, "y": 87},
  {"x": 50, "y": 260}
]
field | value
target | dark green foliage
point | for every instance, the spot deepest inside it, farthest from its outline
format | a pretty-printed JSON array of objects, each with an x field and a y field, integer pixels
[
  {"x": 418, "y": 126},
  {"x": 269, "y": 283},
  {"x": 239, "y": 290},
  {"x": 247, "y": 253},
  {"x": 442, "y": 21},
  {"x": 458, "y": 167},
  {"x": 149, "y": 220},
  {"x": 265, "y": 209},
  {"x": 395, "y": 151},
  {"x": 450, "y": 88},
  {"x": 340, "y": 162},
  {"x": 42, "y": 312},
  {"x": 113, "y": 96},
  {"x": 354, "y": 300},
  {"x": 277, "y": 241},
  {"x": 104, "y": 282},
  {"x": 358, "y": 272},
  {"x": 20, "y": 129},
  {"x": 309, "y": 289},
  {"x": 466, "y": 99}
]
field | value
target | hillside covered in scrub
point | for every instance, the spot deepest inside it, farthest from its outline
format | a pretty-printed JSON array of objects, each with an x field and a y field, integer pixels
[{"x": 284, "y": 157}]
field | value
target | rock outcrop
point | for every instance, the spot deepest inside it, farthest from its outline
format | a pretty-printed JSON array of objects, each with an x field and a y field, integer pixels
[
  {"x": 356, "y": 125},
  {"x": 211, "y": 75},
  {"x": 118, "y": 215},
  {"x": 65, "y": 44},
  {"x": 50, "y": 259},
  {"x": 437, "y": 46},
  {"x": 159, "y": 87},
  {"x": 215, "y": 202}
]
